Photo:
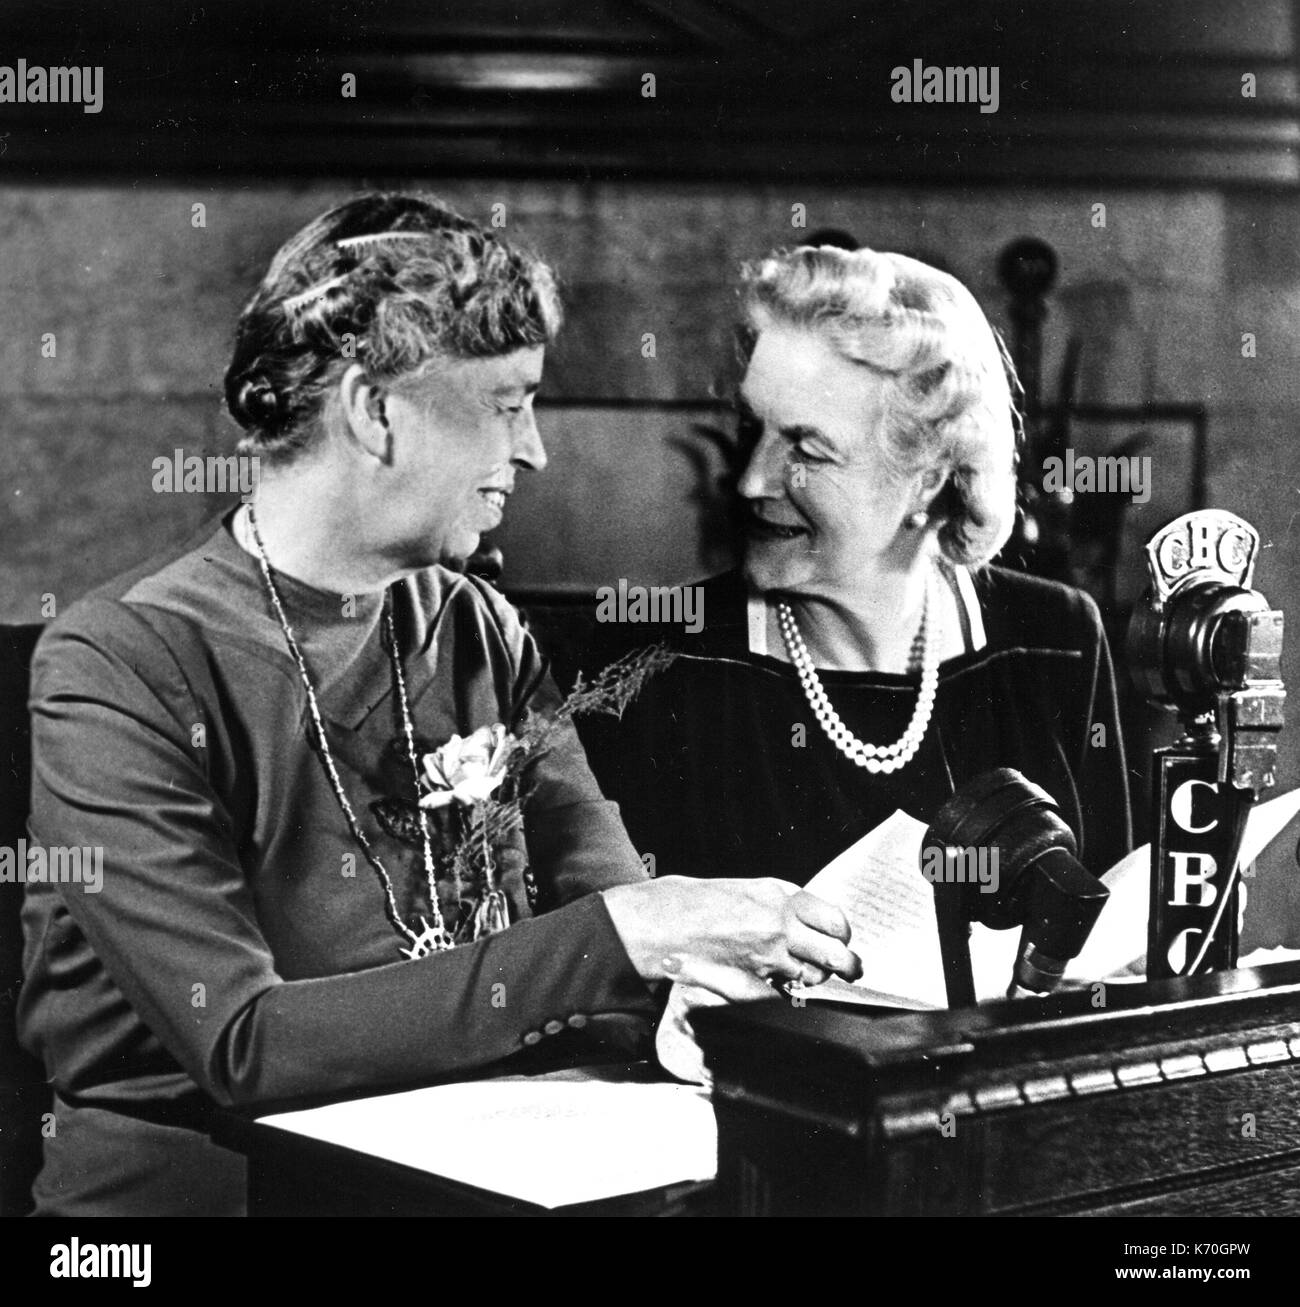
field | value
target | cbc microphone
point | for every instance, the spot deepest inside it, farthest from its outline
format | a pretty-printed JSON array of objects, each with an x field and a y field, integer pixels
[
  {"x": 1040, "y": 886},
  {"x": 1205, "y": 644}
]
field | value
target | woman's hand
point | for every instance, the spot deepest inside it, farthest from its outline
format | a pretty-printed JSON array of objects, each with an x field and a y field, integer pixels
[{"x": 731, "y": 936}]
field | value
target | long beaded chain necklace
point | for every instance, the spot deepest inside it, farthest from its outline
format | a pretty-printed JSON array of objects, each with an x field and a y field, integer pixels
[
  {"x": 875, "y": 758},
  {"x": 433, "y": 935}
]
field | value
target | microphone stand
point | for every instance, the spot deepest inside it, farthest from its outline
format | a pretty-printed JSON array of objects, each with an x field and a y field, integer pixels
[{"x": 1206, "y": 645}]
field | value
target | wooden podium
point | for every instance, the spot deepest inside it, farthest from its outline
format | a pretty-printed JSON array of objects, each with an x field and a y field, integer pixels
[{"x": 1169, "y": 1097}]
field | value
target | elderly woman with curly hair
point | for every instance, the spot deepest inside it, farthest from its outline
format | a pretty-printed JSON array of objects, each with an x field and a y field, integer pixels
[
  {"x": 865, "y": 657},
  {"x": 244, "y": 726}
]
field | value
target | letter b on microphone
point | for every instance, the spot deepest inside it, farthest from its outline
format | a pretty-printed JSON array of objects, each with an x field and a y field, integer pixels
[{"x": 1192, "y": 867}]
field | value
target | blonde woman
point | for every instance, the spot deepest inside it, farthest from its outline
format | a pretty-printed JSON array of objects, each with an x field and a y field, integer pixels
[{"x": 865, "y": 657}]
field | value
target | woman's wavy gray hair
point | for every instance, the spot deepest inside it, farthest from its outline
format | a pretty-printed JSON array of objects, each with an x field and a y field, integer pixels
[
  {"x": 948, "y": 378},
  {"x": 389, "y": 281}
]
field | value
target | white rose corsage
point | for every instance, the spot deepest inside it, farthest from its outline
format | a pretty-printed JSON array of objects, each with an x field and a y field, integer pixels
[
  {"x": 468, "y": 769},
  {"x": 479, "y": 782}
]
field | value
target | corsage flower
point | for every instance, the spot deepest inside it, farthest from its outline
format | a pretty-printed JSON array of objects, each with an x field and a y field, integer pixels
[{"x": 467, "y": 770}]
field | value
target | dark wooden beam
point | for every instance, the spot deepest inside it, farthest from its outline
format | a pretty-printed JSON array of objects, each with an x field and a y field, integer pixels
[{"x": 1120, "y": 93}]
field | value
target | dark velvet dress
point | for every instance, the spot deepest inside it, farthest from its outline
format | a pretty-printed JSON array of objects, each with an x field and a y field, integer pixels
[{"x": 720, "y": 767}]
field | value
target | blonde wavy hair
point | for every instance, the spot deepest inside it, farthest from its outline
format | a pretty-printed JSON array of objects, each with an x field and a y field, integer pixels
[{"x": 948, "y": 379}]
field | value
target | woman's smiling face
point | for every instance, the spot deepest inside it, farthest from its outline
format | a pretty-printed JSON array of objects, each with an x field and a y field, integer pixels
[
  {"x": 463, "y": 430},
  {"x": 824, "y": 504}
]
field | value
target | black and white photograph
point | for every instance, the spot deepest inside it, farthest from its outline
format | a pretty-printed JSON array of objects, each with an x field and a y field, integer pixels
[{"x": 650, "y": 608}]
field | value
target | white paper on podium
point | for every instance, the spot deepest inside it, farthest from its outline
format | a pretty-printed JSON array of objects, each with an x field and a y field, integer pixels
[
  {"x": 1265, "y": 823},
  {"x": 876, "y": 882},
  {"x": 878, "y": 886},
  {"x": 555, "y": 1139}
]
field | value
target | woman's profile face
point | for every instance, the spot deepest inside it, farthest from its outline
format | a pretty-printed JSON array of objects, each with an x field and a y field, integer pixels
[
  {"x": 461, "y": 431},
  {"x": 825, "y": 510}
]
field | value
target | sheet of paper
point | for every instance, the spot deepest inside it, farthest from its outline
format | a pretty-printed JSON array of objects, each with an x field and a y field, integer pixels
[
  {"x": 566, "y": 1137},
  {"x": 993, "y": 960},
  {"x": 1266, "y": 957},
  {"x": 1120, "y": 936},
  {"x": 1266, "y": 822},
  {"x": 891, "y": 908},
  {"x": 890, "y": 905}
]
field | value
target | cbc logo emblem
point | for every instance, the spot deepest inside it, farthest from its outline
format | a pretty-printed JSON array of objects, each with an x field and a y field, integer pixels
[{"x": 1208, "y": 542}]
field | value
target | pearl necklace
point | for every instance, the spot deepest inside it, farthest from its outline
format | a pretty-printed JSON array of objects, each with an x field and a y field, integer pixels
[{"x": 875, "y": 758}]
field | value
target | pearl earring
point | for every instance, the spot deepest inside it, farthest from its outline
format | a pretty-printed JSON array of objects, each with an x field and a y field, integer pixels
[{"x": 915, "y": 521}]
